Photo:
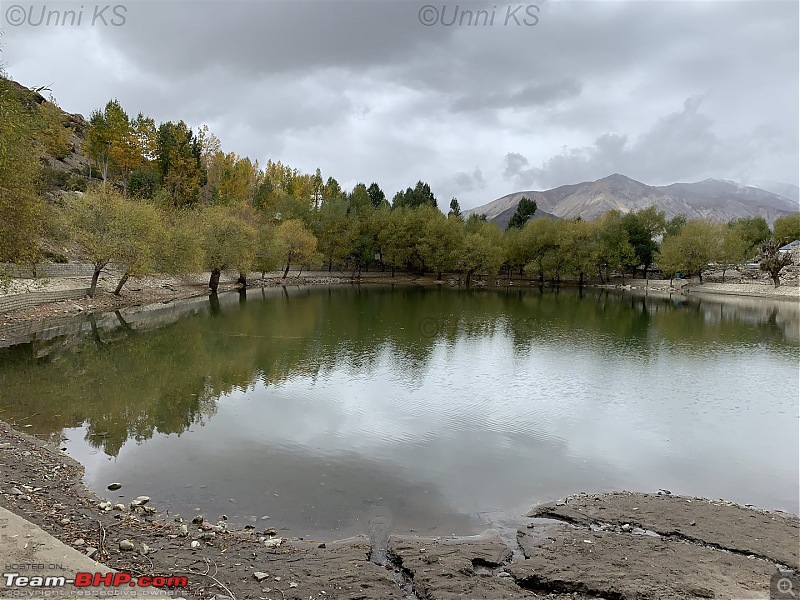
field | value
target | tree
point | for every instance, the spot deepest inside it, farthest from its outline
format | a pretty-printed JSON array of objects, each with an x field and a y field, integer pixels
[
  {"x": 691, "y": 250},
  {"x": 20, "y": 205},
  {"x": 376, "y": 195},
  {"x": 731, "y": 250},
  {"x": 109, "y": 142},
  {"x": 455, "y": 209},
  {"x": 643, "y": 227},
  {"x": 674, "y": 225},
  {"x": 411, "y": 198},
  {"x": 227, "y": 240},
  {"x": 139, "y": 232},
  {"x": 772, "y": 260},
  {"x": 396, "y": 238},
  {"x": 754, "y": 230},
  {"x": 538, "y": 239},
  {"x": 334, "y": 230},
  {"x": 94, "y": 219},
  {"x": 437, "y": 239},
  {"x": 297, "y": 244},
  {"x": 359, "y": 200},
  {"x": 525, "y": 210},
  {"x": 480, "y": 251},
  {"x": 612, "y": 250},
  {"x": 178, "y": 161},
  {"x": 787, "y": 228}
]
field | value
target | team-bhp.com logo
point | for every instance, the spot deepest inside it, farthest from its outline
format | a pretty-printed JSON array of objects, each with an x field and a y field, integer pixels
[{"x": 92, "y": 580}]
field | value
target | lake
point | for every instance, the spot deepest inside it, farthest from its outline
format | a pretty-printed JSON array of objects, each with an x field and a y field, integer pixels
[{"x": 440, "y": 410}]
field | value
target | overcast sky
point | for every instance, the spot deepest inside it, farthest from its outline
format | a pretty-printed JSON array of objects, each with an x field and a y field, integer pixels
[{"x": 529, "y": 97}]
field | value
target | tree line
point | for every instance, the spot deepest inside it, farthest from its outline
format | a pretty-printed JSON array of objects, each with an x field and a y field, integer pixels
[{"x": 163, "y": 198}]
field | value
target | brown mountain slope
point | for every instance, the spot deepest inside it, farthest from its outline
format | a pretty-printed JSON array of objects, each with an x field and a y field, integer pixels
[{"x": 712, "y": 198}]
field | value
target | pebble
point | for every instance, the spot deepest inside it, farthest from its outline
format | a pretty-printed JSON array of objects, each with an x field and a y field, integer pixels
[
  {"x": 626, "y": 527},
  {"x": 260, "y": 576},
  {"x": 270, "y": 531},
  {"x": 90, "y": 551},
  {"x": 208, "y": 536},
  {"x": 15, "y": 491},
  {"x": 114, "y": 486},
  {"x": 198, "y": 519},
  {"x": 118, "y": 506},
  {"x": 195, "y": 544},
  {"x": 183, "y": 530},
  {"x": 79, "y": 542},
  {"x": 273, "y": 543},
  {"x": 65, "y": 521},
  {"x": 142, "y": 499},
  {"x": 126, "y": 545}
]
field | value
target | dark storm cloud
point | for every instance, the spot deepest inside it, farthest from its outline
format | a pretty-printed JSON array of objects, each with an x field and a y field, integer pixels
[{"x": 660, "y": 91}]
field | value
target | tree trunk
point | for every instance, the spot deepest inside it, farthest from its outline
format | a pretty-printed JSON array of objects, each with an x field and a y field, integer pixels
[
  {"x": 776, "y": 279},
  {"x": 723, "y": 274},
  {"x": 121, "y": 284},
  {"x": 580, "y": 279},
  {"x": 600, "y": 272},
  {"x": 300, "y": 272},
  {"x": 213, "y": 281},
  {"x": 286, "y": 271},
  {"x": 700, "y": 275},
  {"x": 392, "y": 270},
  {"x": 242, "y": 279},
  {"x": 330, "y": 266},
  {"x": 439, "y": 276},
  {"x": 95, "y": 277},
  {"x": 469, "y": 278}
]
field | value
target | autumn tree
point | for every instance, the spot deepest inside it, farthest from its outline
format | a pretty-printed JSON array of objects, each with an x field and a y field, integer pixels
[
  {"x": 455, "y": 209},
  {"x": 108, "y": 140},
  {"x": 692, "y": 249},
  {"x": 439, "y": 236},
  {"x": 335, "y": 232},
  {"x": 297, "y": 244},
  {"x": 731, "y": 249},
  {"x": 643, "y": 228}
]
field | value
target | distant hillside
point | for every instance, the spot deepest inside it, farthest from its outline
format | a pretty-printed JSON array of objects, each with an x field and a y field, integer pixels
[{"x": 712, "y": 198}]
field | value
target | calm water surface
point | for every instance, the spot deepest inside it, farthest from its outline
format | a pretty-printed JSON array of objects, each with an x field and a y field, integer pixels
[{"x": 444, "y": 411}]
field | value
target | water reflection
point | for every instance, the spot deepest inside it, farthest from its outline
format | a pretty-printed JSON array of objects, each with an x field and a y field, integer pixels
[{"x": 323, "y": 407}]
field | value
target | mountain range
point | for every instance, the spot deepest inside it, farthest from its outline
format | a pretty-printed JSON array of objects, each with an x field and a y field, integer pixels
[{"x": 717, "y": 199}]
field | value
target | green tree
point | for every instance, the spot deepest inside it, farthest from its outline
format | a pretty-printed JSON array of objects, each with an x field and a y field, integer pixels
[
  {"x": 20, "y": 206},
  {"x": 787, "y": 228},
  {"x": 691, "y": 250},
  {"x": 359, "y": 200},
  {"x": 612, "y": 250},
  {"x": 420, "y": 195},
  {"x": 674, "y": 225},
  {"x": 335, "y": 231},
  {"x": 732, "y": 249},
  {"x": 525, "y": 210},
  {"x": 643, "y": 227},
  {"x": 297, "y": 244},
  {"x": 437, "y": 238},
  {"x": 108, "y": 140},
  {"x": 376, "y": 196},
  {"x": 455, "y": 209},
  {"x": 94, "y": 220},
  {"x": 754, "y": 230},
  {"x": 480, "y": 251},
  {"x": 178, "y": 161},
  {"x": 396, "y": 238},
  {"x": 228, "y": 242},
  {"x": 139, "y": 231}
]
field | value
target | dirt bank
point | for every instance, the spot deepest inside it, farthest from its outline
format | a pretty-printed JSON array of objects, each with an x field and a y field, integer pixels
[{"x": 621, "y": 546}]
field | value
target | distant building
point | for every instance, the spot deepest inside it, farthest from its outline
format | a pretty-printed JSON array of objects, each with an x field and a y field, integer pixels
[{"x": 792, "y": 249}]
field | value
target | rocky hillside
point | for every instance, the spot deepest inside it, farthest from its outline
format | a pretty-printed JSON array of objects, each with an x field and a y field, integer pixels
[{"x": 712, "y": 198}]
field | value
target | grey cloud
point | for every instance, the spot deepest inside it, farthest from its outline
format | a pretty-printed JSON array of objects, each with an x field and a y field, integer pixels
[{"x": 529, "y": 96}]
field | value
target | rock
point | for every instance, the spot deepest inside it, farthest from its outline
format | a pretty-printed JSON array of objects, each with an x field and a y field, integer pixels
[
  {"x": 292, "y": 584},
  {"x": 273, "y": 543},
  {"x": 322, "y": 545},
  {"x": 195, "y": 544},
  {"x": 15, "y": 491},
  {"x": 626, "y": 527},
  {"x": 144, "y": 549},
  {"x": 79, "y": 542},
  {"x": 118, "y": 506},
  {"x": 183, "y": 530},
  {"x": 223, "y": 517},
  {"x": 65, "y": 521},
  {"x": 260, "y": 576},
  {"x": 270, "y": 531},
  {"x": 90, "y": 551},
  {"x": 265, "y": 518},
  {"x": 198, "y": 519},
  {"x": 208, "y": 536},
  {"x": 126, "y": 545},
  {"x": 142, "y": 499},
  {"x": 114, "y": 486},
  {"x": 206, "y": 526}
]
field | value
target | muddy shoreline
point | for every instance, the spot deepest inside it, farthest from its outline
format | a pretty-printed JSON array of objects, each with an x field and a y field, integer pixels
[{"x": 619, "y": 545}]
